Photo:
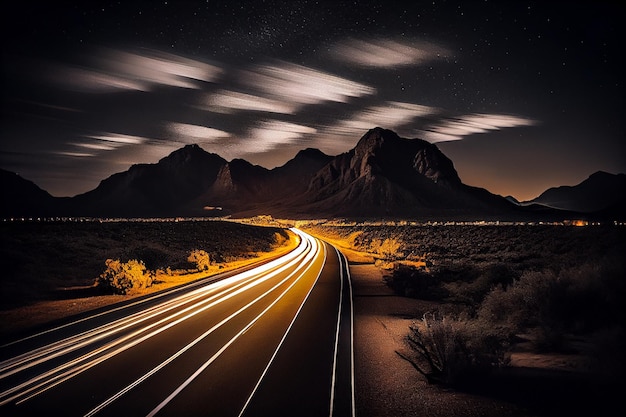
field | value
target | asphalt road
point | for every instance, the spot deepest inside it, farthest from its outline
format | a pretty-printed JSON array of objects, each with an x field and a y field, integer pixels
[{"x": 274, "y": 340}]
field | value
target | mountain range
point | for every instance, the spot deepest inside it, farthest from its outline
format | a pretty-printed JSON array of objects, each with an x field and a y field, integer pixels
[{"x": 384, "y": 175}]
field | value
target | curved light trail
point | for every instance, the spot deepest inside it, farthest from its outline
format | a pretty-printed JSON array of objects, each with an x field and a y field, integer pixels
[{"x": 166, "y": 354}]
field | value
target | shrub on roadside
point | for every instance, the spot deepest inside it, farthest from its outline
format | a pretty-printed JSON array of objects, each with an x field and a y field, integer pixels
[
  {"x": 200, "y": 259},
  {"x": 125, "y": 277},
  {"x": 549, "y": 305},
  {"x": 453, "y": 351},
  {"x": 409, "y": 281}
]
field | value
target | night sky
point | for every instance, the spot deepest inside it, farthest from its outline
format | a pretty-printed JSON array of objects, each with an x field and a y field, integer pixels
[{"x": 521, "y": 96}]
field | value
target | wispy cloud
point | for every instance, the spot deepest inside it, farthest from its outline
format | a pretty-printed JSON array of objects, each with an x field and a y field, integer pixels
[
  {"x": 189, "y": 132},
  {"x": 456, "y": 128},
  {"x": 119, "y": 138},
  {"x": 390, "y": 115},
  {"x": 270, "y": 134},
  {"x": 75, "y": 154},
  {"x": 301, "y": 85},
  {"x": 387, "y": 53},
  {"x": 103, "y": 141},
  {"x": 225, "y": 101},
  {"x": 122, "y": 70}
]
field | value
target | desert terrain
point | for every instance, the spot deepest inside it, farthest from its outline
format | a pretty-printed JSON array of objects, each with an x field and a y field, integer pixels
[{"x": 565, "y": 360}]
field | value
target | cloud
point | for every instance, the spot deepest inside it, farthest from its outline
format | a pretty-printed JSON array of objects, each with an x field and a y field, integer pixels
[
  {"x": 75, "y": 154},
  {"x": 96, "y": 146},
  {"x": 387, "y": 53},
  {"x": 390, "y": 115},
  {"x": 456, "y": 128},
  {"x": 119, "y": 138},
  {"x": 225, "y": 101},
  {"x": 122, "y": 70},
  {"x": 301, "y": 85},
  {"x": 189, "y": 132},
  {"x": 269, "y": 134},
  {"x": 104, "y": 141}
]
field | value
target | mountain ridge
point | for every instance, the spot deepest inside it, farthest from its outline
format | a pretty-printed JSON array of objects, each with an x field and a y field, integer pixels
[
  {"x": 384, "y": 175},
  {"x": 600, "y": 191}
]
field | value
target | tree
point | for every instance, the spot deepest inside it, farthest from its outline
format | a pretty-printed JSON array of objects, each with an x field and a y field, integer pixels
[{"x": 200, "y": 258}]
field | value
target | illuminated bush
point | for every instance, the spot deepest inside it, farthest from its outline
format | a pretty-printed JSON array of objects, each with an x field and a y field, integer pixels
[
  {"x": 387, "y": 249},
  {"x": 125, "y": 277},
  {"x": 200, "y": 258}
]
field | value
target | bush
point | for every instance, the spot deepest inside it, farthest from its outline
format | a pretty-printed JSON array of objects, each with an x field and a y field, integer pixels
[
  {"x": 125, "y": 277},
  {"x": 200, "y": 258},
  {"x": 454, "y": 351},
  {"x": 387, "y": 249},
  {"x": 409, "y": 281}
]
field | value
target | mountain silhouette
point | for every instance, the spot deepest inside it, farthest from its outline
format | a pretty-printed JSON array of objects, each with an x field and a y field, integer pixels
[
  {"x": 388, "y": 175},
  {"x": 23, "y": 198},
  {"x": 600, "y": 192},
  {"x": 384, "y": 175}
]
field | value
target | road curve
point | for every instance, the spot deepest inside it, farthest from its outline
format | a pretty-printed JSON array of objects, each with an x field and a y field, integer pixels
[{"x": 275, "y": 340}]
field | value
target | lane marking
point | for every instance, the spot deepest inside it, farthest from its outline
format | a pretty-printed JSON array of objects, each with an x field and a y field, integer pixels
[
  {"x": 334, "y": 377},
  {"x": 351, "y": 335}
]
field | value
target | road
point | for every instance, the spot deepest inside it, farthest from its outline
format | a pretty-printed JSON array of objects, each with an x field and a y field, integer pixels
[{"x": 275, "y": 340}]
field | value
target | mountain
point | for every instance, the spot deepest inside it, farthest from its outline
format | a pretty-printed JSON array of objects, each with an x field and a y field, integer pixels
[
  {"x": 193, "y": 182},
  {"x": 22, "y": 198},
  {"x": 160, "y": 189},
  {"x": 600, "y": 192},
  {"x": 384, "y": 175}
]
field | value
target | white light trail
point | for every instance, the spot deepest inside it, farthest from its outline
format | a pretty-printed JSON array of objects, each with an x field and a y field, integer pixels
[{"x": 234, "y": 285}]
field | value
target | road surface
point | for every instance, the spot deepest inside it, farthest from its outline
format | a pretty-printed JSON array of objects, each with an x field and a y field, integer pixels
[{"x": 275, "y": 340}]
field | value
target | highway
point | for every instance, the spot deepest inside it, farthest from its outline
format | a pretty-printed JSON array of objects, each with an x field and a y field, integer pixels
[{"x": 273, "y": 340}]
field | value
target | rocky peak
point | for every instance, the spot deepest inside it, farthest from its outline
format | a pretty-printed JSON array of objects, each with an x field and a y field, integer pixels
[
  {"x": 224, "y": 181},
  {"x": 190, "y": 156},
  {"x": 383, "y": 151},
  {"x": 434, "y": 165}
]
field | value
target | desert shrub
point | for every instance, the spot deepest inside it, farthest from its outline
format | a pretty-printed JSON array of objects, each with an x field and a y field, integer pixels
[
  {"x": 454, "y": 351},
  {"x": 473, "y": 284},
  {"x": 387, "y": 249},
  {"x": 200, "y": 259},
  {"x": 549, "y": 305},
  {"x": 279, "y": 239},
  {"x": 414, "y": 282},
  {"x": 532, "y": 302},
  {"x": 125, "y": 277}
]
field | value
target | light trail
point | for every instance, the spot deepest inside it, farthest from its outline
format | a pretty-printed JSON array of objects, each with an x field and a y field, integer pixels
[
  {"x": 154, "y": 370},
  {"x": 282, "y": 340},
  {"x": 229, "y": 343},
  {"x": 70, "y": 344},
  {"x": 55, "y": 376},
  {"x": 277, "y": 296}
]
